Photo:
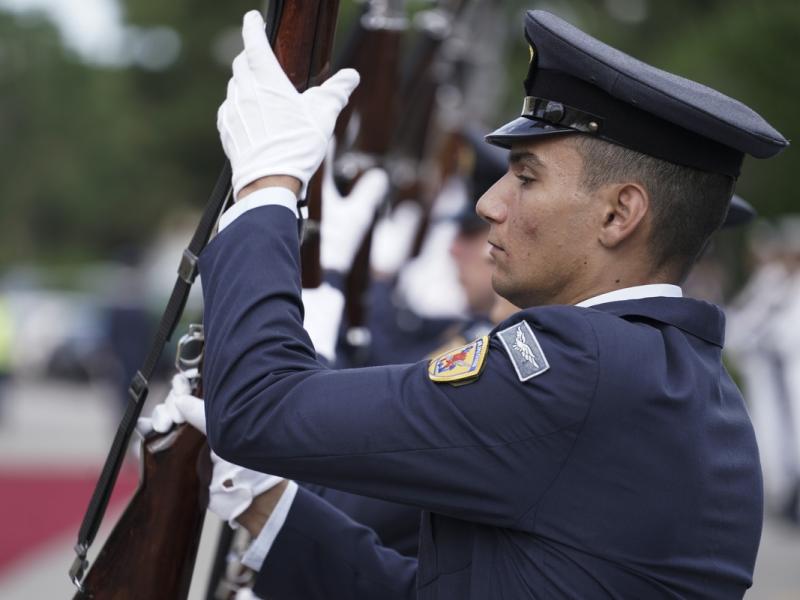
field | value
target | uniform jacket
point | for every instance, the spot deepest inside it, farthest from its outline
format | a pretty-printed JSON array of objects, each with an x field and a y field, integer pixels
[
  {"x": 628, "y": 469},
  {"x": 396, "y": 525}
]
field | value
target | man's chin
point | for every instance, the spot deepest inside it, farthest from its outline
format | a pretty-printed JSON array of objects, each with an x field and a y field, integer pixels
[{"x": 501, "y": 287}]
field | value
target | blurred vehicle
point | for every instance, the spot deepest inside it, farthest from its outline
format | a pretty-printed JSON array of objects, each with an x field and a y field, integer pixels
[{"x": 58, "y": 334}]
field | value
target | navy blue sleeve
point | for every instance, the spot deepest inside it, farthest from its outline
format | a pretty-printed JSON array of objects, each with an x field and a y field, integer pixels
[
  {"x": 396, "y": 525},
  {"x": 321, "y": 553},
  {"x": 485, "y": 451}
]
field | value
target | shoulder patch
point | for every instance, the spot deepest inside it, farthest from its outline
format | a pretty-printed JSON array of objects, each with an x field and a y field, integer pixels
[
  {"x": 524, "y": 350},
  {"x": 461, "y": 365}
]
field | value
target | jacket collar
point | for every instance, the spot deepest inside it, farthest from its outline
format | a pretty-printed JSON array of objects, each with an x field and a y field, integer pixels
[
  {"x": 695, "y": 317},
  {"x": 635, "y": 292}
]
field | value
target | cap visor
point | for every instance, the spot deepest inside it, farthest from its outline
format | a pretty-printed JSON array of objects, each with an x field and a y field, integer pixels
[{"x": 523, "y": 128}]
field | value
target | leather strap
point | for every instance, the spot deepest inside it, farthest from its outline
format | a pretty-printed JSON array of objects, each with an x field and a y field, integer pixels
[{"x": 140, "y": 384}]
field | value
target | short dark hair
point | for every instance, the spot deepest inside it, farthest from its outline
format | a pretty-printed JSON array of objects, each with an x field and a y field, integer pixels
[{"x": 687, "y": 205}]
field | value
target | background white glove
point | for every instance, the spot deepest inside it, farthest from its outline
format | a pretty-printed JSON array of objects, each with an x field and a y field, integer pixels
[
  {"x": 232, "y": 487},
  {"x": 393, "y": 238},
  {"x": 346, "y": 219},
  {"x": 265, "y": 125},
  {"x": 323, "y": 316}
]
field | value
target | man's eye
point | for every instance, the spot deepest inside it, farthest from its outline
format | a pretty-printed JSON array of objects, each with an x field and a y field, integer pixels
[{"x": 525, "y": 180}]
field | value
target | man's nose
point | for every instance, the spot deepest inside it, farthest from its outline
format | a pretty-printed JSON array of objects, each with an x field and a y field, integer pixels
[{"x": 491, "y": 207}]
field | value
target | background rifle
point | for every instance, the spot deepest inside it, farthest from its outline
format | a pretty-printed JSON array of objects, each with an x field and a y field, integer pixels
[
  {"x": 151, "y": 550},
  {"x": 447, "y": 90},
  {"x": 364, "y": 135},
  {"x": 416, "y": 175}
]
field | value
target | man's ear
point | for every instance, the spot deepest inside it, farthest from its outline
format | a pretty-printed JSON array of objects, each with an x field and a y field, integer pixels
[{"x": 625, "y": 206}]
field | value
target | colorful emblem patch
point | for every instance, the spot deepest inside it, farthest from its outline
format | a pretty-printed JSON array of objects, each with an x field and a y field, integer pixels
[
  {"x": 461, "y": 365},
  {"x": 524, "y": 350}
]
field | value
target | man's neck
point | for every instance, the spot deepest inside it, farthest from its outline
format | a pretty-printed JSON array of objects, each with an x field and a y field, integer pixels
[{"x": 615, "y": 277}]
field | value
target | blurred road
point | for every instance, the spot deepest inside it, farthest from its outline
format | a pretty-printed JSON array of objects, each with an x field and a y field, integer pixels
[{"x": 53, "y": 439}]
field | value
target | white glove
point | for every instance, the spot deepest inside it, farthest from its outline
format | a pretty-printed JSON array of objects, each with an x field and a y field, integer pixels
[
  {"x": 232, "y": 487},
  {"x": 394, "y": 235},
  {"x": 345, "y": 220},
  {"x": 178, "y": 407},
  {"x": 323, "y": 316},
  {"x": 429, "y": 283},
  {"x": 265, "y": 125}
]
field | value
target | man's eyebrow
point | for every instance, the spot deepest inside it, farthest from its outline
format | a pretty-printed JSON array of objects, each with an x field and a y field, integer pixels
[{"x": 525, "y": 158}]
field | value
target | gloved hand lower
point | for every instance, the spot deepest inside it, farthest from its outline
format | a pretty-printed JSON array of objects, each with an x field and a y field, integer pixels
[
  {"x": 178, "y": 407},
  {"x": 265, "y": 125},
  {"x": 232, "y": 487}
]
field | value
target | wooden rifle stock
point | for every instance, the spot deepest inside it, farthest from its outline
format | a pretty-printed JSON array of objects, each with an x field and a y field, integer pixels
[
  {"x": 151, "y": 550},
  {"x": 303, "y": 46},
  {"x": 150, "y": 553}
]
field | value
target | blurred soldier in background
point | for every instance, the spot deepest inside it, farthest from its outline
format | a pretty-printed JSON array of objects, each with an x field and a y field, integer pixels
[
  {"x": 763, "y": 329},
  {"x": 453, "y": 260},
  {"x": 130, "y": 327}
]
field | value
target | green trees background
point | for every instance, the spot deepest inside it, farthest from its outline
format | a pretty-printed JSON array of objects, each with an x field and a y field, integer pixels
[{"x": 93, "y": 158}]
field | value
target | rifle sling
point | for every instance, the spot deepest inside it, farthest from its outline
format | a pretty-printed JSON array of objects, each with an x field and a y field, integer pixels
[{"x": 139, "y": 387}]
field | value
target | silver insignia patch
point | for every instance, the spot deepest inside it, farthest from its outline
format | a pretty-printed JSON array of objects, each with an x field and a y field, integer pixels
[{"x": 524, "y": 350}]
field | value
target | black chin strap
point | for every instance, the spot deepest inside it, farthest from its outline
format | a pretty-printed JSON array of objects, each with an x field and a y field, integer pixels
[{"x": 139, "y": 387}]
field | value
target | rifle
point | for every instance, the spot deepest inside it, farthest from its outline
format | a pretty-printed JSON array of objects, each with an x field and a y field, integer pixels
[
  {"x": 422, "y": 161},
  {"x": 369, "y": 121},
  {"x": 151, "y": 550}
]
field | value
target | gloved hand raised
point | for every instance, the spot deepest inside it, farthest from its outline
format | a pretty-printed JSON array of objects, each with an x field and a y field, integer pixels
[
  {"x": 265, "y": 125},
  {"x": 232, "y": 488},
  {"x": 346, "y": 219},
  {"x": 394, "y": 237}
]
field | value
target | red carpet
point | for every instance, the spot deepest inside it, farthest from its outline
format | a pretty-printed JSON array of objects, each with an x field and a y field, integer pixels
[{"x": 43, "y": 504}]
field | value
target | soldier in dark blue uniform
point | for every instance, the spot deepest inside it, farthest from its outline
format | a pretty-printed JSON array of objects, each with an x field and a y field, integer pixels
[{"x": 592, "y": 446}]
